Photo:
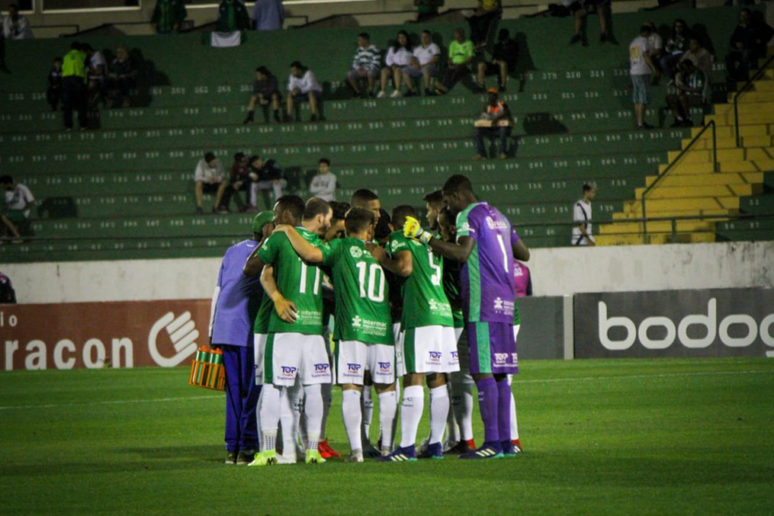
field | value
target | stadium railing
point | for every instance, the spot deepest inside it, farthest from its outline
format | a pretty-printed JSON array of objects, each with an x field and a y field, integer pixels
[{"x": 743, "y": 89}]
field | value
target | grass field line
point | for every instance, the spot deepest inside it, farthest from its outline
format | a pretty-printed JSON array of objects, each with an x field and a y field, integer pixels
[{"x": 114, "y": 402}]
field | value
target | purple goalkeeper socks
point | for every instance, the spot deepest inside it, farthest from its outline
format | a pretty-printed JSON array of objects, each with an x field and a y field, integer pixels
[
  {"x": 488, "y": 403},
  {"x": 504, "y": 410}
]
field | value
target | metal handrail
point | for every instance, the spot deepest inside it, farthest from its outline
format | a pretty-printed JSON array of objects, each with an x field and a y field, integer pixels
[
  {"x": 672, "y": 164},
  {"x": 744, "y": 88}
]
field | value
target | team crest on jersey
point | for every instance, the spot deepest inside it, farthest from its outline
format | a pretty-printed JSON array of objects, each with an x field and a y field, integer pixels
[{"x": 356, "y": 252}]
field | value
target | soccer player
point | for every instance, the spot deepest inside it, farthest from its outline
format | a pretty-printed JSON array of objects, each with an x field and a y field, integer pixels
[
  {"x": 293, "y": 349},
  {"x": 231, "y": 319},
  {"x": 429, "y": 346},
  {"x": 363, "y": 329},
  {"x": 434, "y": 204},
  {"x": 486, "y": 245}
]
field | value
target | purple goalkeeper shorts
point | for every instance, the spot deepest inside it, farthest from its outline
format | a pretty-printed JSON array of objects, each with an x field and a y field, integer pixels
[{"x": 492, "y": 348}]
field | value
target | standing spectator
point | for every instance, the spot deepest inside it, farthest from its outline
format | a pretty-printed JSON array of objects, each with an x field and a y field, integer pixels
[
  {"x": 427, "y": 8},
  {"x": 483, "y": 21},
  {"x": 398, "y": 59},
  {"x": 748, "y": 44},
  {"x": 656, "y": 45},
  {"x": 18, "y": 202},
  {"x": 265, "y": 93},
  {"x": 238, "y": 180},
  {"x": 460, "y": 56},
  {"x": 7, "y": 293},
  {"x": 16, "y": 26},
  {"x": 210, "y": 177},
  {"x": 690, "y": 88},
  {"x": 495, "y": 112},
  {"x": 702, "y": 61},
  {"x": 268, "y": 14},
  {"x": 323, "y": 185},
  {"x": 232, "y": 17},
  {"x": 365, "y": 66},
  {"x": 303, "y": 87},
  {"x": 504, "y": 57},
  {"x": 580, "y": 10},
  {"x": 168, "y": 16},
  {"x": 96, "y": 70},
  {"x": 74, "y": 87},
  {"x": 54, "y": 91},
  {"x": 677, "y": 44},
  {"x": 265, "y": 176},
  {"x": 424, "y": 63},
  {"x": 581, "y": 216},
  {"x": 121, "y": 76},
  {"x": 641, "y": 67}
]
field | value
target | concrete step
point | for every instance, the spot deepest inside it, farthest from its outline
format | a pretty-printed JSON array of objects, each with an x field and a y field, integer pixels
[
  {"x": 660, "y": 207},
  {"x": 708, "y": 179},
  {"x": 723, "y": 167},
  {"x": 699, "y": 191}
]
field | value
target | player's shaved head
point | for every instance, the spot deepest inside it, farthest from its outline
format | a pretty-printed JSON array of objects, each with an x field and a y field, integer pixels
[
  {"x": 457, "y": 183},
  {"x": 289, "y": 209},
  {"x": 399, "y": 214},
  {"x": 358, "y": 221},
  {"x": 458, "y": 193},
  {"x": 316, "y": 206}
]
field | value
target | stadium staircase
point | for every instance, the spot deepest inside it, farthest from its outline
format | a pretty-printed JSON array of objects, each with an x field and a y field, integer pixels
[{"x": 125, "y": 190}]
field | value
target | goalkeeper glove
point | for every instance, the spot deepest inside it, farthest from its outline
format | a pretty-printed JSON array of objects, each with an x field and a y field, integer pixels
[{"x": 413, "y": 229}]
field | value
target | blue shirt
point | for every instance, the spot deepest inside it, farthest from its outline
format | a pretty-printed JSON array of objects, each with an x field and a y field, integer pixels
[
  {"x": 268, "y": 14},
  {"x": 240, "y": 296}
]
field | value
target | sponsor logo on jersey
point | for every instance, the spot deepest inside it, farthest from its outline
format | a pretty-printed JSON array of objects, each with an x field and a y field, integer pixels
[
  {"x": 455, "y": 356},
  {"x": 288, "y": 372},
  {"x": 496, "y": 224},
  {"x": 466, "y": 227},
  {"x": 435, "y": 356},
  {"x": 384, "y": 367},
  {"x": 498, "y": 303},
  {"x": 353, "y": 368},
  {"x": 433, "y": 305},
  {"x": 501, "y": 358},
  {"x": 515, "y": 358},
  {"x": 321, "y": 368},
  {"x": 357, "y": 322},
  {"x": 356, "y": 252}
]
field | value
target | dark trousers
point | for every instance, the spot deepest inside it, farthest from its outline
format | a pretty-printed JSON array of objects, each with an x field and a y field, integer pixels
[
  {"x": 454, "y": 75},
  {"x": 234, "y": 193},
  {"x": 480, "y": 26},
  {"x": 53, "y": 95},
  {"x": 739, "y": 62},
  {"x": 74, "y": 98},
  {"x": 491, "y": 132},
  {"x": 241, "y": 398}
]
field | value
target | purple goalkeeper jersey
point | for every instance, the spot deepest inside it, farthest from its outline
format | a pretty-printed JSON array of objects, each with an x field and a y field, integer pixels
[
  {"x": 488, "y": 292},
  {"x": 240, "y": 296}
]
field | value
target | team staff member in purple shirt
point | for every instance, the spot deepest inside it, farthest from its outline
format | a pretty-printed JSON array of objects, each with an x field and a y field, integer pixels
[{"x": 234, "y": 308}]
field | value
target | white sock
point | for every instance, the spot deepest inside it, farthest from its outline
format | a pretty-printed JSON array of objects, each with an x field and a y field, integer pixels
[
  {"x": 314, "y": 411},
  {"x": 452, "y": 428},
  {"x": 514, "y": 423},
  {"x": 439, "y": 411},
  {"x": 410, "y": 414},
  {"x": 270, "y": 415},
  {"x": 350, "y": 411},
  {"x": 296, "y": 394},
  {"x": 462, "y": 402},
  {"x": 287, "y": 423},
  {"x": 327, "y": 395},
  {"x": 368, "y": 413},
  {"x": 388, "y": 407}
]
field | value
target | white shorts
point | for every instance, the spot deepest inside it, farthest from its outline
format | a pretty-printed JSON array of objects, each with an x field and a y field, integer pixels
[
  {"x": 291, "y": 355},
  {"x": 354, "y": 358},
  {"x": 259, "y": 348},
  {"x": 463, "y": 353},
  {"x": 458, "y": 333},
  {"x": 427, "y": 350}
]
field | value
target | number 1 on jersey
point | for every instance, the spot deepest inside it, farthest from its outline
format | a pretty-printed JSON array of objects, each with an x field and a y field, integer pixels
[{"x": 506, "y": 257}]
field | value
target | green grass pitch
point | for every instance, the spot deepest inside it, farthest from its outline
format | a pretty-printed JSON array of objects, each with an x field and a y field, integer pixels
[{"x": 619, "y": 437}]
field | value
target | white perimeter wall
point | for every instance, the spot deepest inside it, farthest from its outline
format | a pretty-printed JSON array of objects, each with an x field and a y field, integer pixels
[{"x": 555, "y": 272}]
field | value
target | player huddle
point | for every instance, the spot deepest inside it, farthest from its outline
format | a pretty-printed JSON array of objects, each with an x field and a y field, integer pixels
[{"x": 435, "y": 309}]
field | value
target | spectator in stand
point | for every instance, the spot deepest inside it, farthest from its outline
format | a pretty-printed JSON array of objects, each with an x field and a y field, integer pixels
[
  {"x": 16, "y": 26},
  {"x": 54, "y": 91},
  {"x": 580, "y": 9},
  {"x": 168, "y": 16},
  {"x": 677, "y": 44},
  {"x": 268, "y": 15},
  {"x": 265, "y": 176},
  {"x": 702, "y": 61},
  {"x": 690, "y": 89},
  {"x": 641, "y": 69},
  {"x": 121, "y": 77},
  {"x": 74, "y": 87},
  {"x": 748, "y": 44},
  {"x": 265, "y": 93},
  {"x": 7, "y": 293},
  {"x": 210, "y": 177},
  {"x": 581, "y": 216},
  {"x": 495, "y": 112},
  {"x": 398, "y": 59},
  {"x": 504, "y": 57},
  {"x": 232, "y": 16},
  {"x": 365, "y": 66},
  {"x": 460, "y": 56},
  {"x": 483, "y": 21},
  {"x": 238, "y": 180},
  {"x": 323, "y": 185},
  {"x": 656, "y": 45},
  {"x": 17, "y": 204},
  {"x": 96, "y": 69},
  {"x": 303, "y": 87},
  {"x": 427, "y": 8},
  {"x": 522, "y": 278},
  {"x": 424, "y": 63}
]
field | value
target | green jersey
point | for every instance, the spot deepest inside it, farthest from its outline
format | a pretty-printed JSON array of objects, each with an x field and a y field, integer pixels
[
  {"x": 298, "y": 281},
  {"x": 451, "y": 285},
  {"x": 516, "y": 314},
  {"x": 261, "y": 325},
  {"x": 424, "y": 300},
  {"x": 360, "y": 287}
]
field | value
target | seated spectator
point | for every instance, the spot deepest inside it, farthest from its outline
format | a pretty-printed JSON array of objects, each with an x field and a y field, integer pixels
[
  {"x": 121, "y": 77},
  {"x": 365, "y": 66},
  {"x": 303, "y": 87},
  {"x": 641, "y": 69},
  {"x": 265, "y": 93},
  {"x": 483, "y": 21},
  {"x": 690, "y": 89},
  {"x": 265, "y": 176},
  {"x": 424, "y": 63},
  {"x": 168, "y": 16},
  {"x": 96, "y": 73},
  {"x": 268, "y": 15},
  {"x": 580, "y": 9},
  {"x": 54, "y": 91},
  {"x": 427, "y": 8},
  {"x": 238, "y": 180},
  {"x": 210, "y": 177},
  {"x": 323, "y": 185},
  {"x": 232, "y": 16},
  {"x": 702, "y": 61},
  {"x": 7, "y": 293},
  {"x": 16, "y": 26},
  {"x": 17, "y": 204},
  {"x": 677, "y": 44},
  {"x": 748, "y": 44},
  {"x": 504, "y": 57},
  {"x": 337, "y": 229},
  {"x": 398, "y": 59},
  {"x": 460, "y": 56},
  {"x": 581, "y": 216},
  {"x": 494, "y": 121}
]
